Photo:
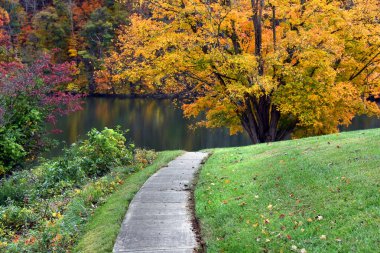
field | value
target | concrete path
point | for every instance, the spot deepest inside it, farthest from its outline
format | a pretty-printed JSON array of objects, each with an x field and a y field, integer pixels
[{"x": 159, "y": 218}]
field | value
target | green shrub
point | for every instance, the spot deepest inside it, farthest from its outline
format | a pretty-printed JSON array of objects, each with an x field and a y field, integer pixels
[
  {"x": 11, "y": 150},
  {"x": 44, "y": 208},
  {"x": 20, "y": 132},
  {"x": 16, "y": 217},
  {"x": 103, "y": 150},
  {"x": 30, "y": 98},
  {"x": 17, "y": 188},
  {"x": 65, "y": 169}
]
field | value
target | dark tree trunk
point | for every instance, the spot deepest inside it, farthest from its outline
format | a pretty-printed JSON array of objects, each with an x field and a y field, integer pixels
[
  {"x": 257, "y": 9},
  {"x": 90, "y": 75},
  {"x": 260, "y": 120}
]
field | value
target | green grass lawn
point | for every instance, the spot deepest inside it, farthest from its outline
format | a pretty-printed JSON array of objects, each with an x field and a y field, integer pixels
[
  {"x": 318, "y": 194},
  {"x": 103, "y": 227}
]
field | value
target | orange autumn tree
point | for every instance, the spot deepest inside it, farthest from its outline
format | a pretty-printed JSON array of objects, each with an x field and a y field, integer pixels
[
  {"x": 270, "y": 68},
  {"x": 4, "y": 37}
]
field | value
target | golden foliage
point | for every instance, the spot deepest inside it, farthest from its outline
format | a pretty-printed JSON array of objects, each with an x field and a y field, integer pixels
[{"x": 320, "y": 70}]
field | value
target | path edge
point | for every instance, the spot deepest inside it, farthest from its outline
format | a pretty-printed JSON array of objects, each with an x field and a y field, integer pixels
[{"x": 195, "y": 223}]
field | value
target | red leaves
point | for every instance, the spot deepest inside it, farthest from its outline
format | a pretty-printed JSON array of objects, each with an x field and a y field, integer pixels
[{"x": 42, "y": 82}]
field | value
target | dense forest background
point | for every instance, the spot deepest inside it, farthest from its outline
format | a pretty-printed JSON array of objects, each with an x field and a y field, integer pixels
[{"x": 81, "y": 31}]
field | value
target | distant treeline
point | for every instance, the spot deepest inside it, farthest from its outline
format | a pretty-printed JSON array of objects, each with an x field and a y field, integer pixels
[{"x": 82, "y": 31}]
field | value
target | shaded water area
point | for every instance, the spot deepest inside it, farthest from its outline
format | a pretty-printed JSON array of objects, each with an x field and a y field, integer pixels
[
  {"x": 154, "y": 124},
  {"x": 157, "y": 124}
]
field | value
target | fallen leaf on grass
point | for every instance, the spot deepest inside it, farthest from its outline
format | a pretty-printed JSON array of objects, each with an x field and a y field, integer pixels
[{"x": 242, "y": 204}]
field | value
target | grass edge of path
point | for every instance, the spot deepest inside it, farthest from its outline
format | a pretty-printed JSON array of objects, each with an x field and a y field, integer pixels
[{"x": 103, "y": 227}]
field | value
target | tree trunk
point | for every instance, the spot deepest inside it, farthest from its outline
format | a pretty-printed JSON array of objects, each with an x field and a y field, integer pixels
[
  {"x": 90, "y": 75},
  {"x": 260, "y": 120},
  {"x": 257, "y": 9}
]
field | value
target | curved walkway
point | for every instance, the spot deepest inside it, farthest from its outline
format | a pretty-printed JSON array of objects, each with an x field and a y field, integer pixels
[{"x": 159, "y": 218}]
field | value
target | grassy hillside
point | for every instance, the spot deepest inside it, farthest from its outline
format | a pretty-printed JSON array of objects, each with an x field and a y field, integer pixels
[{"x": 318, "y": 194}]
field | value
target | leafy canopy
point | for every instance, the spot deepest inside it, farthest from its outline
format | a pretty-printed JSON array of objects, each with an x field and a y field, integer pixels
[{"x": 311, "y": 64}]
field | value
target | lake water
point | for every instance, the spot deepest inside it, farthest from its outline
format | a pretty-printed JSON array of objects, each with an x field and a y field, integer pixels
[{"x": 157, "y": 124}]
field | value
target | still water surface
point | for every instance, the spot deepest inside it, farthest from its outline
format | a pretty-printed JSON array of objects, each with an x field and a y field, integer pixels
[{"x": 157, "y": 124}]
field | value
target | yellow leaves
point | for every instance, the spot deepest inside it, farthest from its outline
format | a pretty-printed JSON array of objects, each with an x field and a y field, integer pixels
[
  {"x": 57, "y": 215},
  {"x": 73, "y": 53},
  {"x": 73, "y": 87},
  {"x": 4, "y": 17},
  {"x": 313, "y": 97},
  {"x": 207, "y": 49}
]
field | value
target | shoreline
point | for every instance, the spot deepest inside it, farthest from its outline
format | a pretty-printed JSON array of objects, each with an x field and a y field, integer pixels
[
  {"x": 162, "y": 96},
  {"x": 150, "y": 96}
]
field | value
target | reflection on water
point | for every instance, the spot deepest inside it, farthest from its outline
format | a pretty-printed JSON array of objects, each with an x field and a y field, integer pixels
[
  {"x": 157, "y": 124},
  {"x": 154, "y": 124},
  {"x": 362, "y": 122}
]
